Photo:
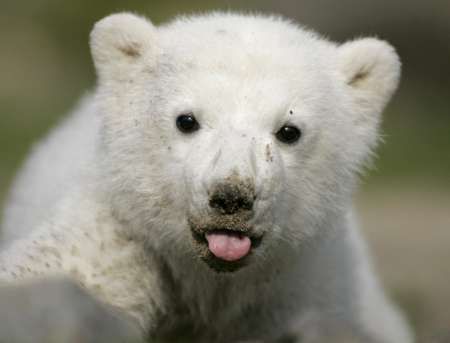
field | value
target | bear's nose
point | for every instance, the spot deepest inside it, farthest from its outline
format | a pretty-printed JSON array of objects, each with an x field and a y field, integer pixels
[{"x": 230, "y": 198}]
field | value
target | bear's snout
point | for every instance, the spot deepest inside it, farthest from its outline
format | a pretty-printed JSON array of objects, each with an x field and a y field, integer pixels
[
  {"x": 224, "y": 238},
  {"x": 232, "y": 196}
]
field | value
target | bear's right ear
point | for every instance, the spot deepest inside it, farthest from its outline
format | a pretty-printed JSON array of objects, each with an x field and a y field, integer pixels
[
  {"x": 371, "y": 69},
  {"x": 120, "y": 42}
]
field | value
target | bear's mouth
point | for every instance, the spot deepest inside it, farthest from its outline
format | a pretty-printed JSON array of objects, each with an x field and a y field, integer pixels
[{"x": 225, "y": 248}]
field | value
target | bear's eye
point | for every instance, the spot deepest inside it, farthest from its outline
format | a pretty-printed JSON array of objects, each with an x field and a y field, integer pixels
[
  {"x": 187, "y": 123},
  {"x": 288, "y": 134}
]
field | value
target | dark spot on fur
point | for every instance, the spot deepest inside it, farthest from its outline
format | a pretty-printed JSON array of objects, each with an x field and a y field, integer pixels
[
  {"x": 132, "y": 49},
  {"x": 359, "y": 76},
  {"x": 237, "y": 222},
  {"x": 50, "y": 250},
  {"x": 269, "y": 157},
  {"x": 291, "y": 112}
]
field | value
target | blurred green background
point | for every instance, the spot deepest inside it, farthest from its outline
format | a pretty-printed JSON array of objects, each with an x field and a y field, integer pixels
[{"x": 404, "y": 201}]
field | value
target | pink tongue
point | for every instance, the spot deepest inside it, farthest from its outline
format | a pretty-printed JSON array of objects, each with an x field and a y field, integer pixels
[{"x": 228, "y": 246}]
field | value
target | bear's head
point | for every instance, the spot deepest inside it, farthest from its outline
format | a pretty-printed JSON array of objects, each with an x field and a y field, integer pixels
[{"x": 228, "y": 135}]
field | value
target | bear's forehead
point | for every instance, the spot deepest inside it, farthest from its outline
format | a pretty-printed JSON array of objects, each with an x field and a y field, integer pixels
[
  {"x": 235, "y": 43},
  {"x": 238, "y": 64}
]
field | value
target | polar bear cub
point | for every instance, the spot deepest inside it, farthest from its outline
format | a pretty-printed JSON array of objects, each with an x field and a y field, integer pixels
[{"x": 205, "y": 188}]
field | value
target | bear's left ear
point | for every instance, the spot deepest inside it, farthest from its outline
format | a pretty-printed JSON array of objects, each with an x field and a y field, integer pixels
[
  {"x": 120, "y": 42},
  {"x": 371, "y": 69}
]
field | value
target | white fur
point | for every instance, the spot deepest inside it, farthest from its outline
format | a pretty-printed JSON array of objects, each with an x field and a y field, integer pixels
[{"x": 106, "y": 197}]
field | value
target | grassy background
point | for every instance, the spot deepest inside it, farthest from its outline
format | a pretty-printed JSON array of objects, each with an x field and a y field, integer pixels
[{"x": 404, "y": 202}]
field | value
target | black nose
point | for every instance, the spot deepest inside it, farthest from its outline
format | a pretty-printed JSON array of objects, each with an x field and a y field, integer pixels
[{"x": 230, "y": 198}]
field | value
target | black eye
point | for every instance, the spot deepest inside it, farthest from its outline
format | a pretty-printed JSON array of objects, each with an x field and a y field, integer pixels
[
  {"x": 187, "y": 123},
  {"x": 288, "y": 134}
]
